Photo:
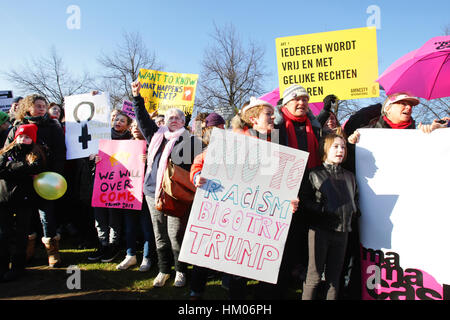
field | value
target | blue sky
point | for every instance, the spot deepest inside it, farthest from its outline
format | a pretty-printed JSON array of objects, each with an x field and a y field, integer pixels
[{"x": 178, "y": 31}]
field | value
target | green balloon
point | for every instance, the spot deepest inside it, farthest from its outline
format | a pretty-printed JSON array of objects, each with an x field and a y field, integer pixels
[{"x": 50, "y": 185}]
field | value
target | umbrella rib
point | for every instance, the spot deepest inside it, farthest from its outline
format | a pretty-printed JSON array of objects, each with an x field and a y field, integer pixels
[
  {"x": 431, "y": 57},
  {"x": 437, "y": 76}
]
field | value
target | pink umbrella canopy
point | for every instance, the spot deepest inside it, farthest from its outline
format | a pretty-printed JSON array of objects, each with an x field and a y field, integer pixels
[
  {"x": 273, "y": 96},
  {"x": 424, "y": 72}
]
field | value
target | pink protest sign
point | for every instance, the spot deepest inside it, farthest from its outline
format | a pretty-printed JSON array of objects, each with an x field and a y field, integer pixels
[
  {"x": 119, "y": 176},
  {"x": 240, "y": 218},
  {"x": 127, "y": 108}
]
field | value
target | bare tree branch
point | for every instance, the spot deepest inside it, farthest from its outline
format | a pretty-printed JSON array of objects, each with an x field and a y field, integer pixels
[
  {"x": 231, "y": 71},
  {"x": 48, "y": 77},
  {"x": 123, "y": 65}
]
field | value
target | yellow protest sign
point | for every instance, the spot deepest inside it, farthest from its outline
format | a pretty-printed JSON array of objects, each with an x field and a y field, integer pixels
[
  {"x": 344, "y": 63},
  {"x": 165, "y": 90}
]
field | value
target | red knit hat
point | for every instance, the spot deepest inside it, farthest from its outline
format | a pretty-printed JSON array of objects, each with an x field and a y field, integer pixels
[{"x": 28, "y": 129}]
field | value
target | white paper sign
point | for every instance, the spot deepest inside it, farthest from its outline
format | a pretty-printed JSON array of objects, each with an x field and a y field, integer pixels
[
  {"x": 6, "y": 99},
  {"x": 87, "y": 121},
  {"x": 240, "y": 218},
  {"x": 404, "y": 183}
]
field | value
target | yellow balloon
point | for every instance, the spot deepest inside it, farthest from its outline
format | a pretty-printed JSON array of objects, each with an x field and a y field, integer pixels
[{"x": 50, "y": 185}]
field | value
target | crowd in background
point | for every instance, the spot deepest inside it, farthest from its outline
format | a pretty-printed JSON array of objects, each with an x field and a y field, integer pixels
[{"x": 322, "y": 246}]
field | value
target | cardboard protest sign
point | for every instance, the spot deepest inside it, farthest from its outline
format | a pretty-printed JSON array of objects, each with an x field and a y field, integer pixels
[
  {"x": 128, "y": 109},
  {"x": 119, "y": 176},
  {"x": 343, "y": 63},
  {"x": 403, "y": 181},
  {"x": 87, "y": 121},
  {"x": 240, "y": 218},
  {"x": 165, "y": 90},
  {"x": 6, "y": 98}
]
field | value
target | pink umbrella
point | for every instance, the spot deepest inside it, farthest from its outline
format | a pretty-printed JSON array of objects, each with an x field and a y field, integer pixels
[
  {"x": 424, "y": 72},
  {"x": 273, "y": 96}
]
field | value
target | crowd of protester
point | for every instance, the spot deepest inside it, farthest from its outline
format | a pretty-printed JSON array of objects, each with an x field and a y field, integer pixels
[{"x": 323, "y": 236}]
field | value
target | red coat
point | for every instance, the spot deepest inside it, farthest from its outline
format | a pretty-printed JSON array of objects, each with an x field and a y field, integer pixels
[{"x": 197, "y": 165}]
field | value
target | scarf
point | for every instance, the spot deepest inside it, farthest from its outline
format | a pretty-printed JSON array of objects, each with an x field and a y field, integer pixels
[
  {"x": 155, "y": 143},
  {"x": 313, "y": 145},
  {"x": 38, "y": 119},
  {"x": 402, "y": 125},
  {"x": 116, "y": 135}
]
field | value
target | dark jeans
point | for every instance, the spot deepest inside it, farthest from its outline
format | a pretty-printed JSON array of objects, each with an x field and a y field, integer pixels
[
  {"x": 47, "y": 214},
  {"x": 133, "y": 220},
  {"x": 109, "y": 225},
  {"x": 14, "y": 231},
  {"x": 326, "y": 254}
]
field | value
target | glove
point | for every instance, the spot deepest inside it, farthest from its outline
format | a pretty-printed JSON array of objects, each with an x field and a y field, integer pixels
[{"x": 328, "y": 101}]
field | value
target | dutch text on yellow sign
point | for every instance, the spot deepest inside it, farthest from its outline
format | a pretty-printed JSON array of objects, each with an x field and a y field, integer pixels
[
  {"x": 164, "y": 90},
  {"x": 344, "y": 63}
]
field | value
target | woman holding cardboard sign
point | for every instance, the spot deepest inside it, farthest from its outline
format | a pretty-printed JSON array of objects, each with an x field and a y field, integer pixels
[
  {"x": 168, "y": 142},
  {"x": 396, "y": 113}
]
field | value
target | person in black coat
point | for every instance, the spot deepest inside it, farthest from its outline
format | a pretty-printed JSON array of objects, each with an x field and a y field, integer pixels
[
  {"x": 50, "y": 136},
  {"x": 18, "y": 162},
  {"x": 330, "y": 200},
  {"x": 297, "y": 128}
]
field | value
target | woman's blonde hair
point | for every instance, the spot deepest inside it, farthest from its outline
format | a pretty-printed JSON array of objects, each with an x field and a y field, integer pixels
[
  {"x": 206, "y": 135},
  {"x": 237, "y": 123},
  {"x": 26, "y": 104}
]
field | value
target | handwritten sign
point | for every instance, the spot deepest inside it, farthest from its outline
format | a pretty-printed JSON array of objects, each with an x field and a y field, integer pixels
[
  {"x": 240, "y": 218},
  {"x": 6, "y": 99},
  {"x": 403, "y": 179},
  {"x": 127, "y": 108},
  {"x": 119, "y": 176},
  {"x": 87, "y": 121},
  {"x": 343, "y": 63},
  {"x": 165, "y": 90}
]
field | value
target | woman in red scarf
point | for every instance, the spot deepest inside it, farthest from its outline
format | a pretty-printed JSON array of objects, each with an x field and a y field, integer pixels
[
  {"x": 296, "y": 128},
  {"x": 396, "y": 113}
]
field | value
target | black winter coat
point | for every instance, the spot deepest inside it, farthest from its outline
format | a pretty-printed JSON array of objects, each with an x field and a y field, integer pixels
[
  {"x": 330, "y": 198},
  {"x": 50, "y": 136},
  {"x": 16, "y": 181}
]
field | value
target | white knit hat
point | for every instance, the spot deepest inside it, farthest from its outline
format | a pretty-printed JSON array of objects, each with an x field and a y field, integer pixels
[
  {"x": 256, "y": 102},
  {"x": 292, "y": 92}
]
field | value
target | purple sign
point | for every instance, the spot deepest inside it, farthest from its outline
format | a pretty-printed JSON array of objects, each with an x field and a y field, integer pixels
[{"x": 127, "y": 108}]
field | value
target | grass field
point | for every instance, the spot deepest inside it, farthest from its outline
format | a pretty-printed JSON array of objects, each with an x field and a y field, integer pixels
[{"x": 102, "y": 281}]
